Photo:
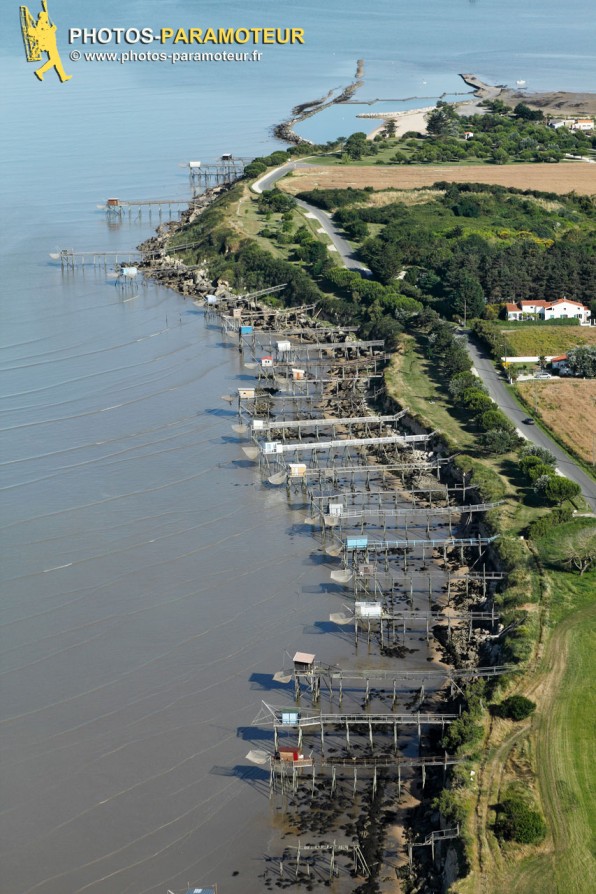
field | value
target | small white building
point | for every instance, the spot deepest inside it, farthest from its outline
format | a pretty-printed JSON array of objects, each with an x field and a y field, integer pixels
[
  {"x": 583, "y": 124},
  {"x": 561, "y": 309},
  {"x": 560, "y": 362}
]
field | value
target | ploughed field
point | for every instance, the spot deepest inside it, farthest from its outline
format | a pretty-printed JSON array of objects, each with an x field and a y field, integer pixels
[
  {"x": 568, "y": 408},
  {"x": 560, "y": 178}
]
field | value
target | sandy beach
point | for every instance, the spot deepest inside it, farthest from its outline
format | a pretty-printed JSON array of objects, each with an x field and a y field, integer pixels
[{"x": 413, "y": 119}]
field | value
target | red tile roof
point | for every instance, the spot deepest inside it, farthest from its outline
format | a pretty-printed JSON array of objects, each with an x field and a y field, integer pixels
[{"x": 564, "y": 301}]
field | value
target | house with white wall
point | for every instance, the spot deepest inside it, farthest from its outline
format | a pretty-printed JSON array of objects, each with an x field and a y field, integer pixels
[{"x": 560, "y": 309}]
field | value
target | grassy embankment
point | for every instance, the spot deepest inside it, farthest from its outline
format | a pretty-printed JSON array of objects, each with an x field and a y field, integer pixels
[{"x": 548, "y": 755}]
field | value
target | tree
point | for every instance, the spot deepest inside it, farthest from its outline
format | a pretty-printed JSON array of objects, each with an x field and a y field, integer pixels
[
  {"x": 582, "y": 361},
  {"x": 356, "y": 145},
  {"x": 557, "y": 488},
  {"x": 499, "y": 156},
  {"x": 467, "y": 297},
  {"x": 494, "y": 419},
  {"x": 456, "y": 360},
  {"x": 461, "y": 382},
  {"x": 442, "y": 120},
  {"x": 560, "y": 489},
  {"x": 526, "y": 113},
  {"x": 537, "y": 469},
  {"x": 477, "y": 400},
  {"x": 580, "y": 550}
]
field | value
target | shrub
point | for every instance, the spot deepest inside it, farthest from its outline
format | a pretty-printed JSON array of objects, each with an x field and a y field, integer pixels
[
  {"x": 540, "y": 470},
  {"x": 540, "y": 453},
  {"x": 461, "y": 382},
  {"x": 517, "y": 821},
  {"x": 516, "y": 707},
  {"x": 254, "y": 169},
  {"x": 494, "y": 418},
  {"x": 450, "y": 807},
  {"x": 498, "y": 441},
  {"x": 463, "y": 731},
  {"x": 539, "y": 527},
  {"x": 542, "y": 525}
]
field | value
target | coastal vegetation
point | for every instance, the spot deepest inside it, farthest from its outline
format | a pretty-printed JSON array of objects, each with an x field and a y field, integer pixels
[
  {"x": 498, "y": 137},
  {"x": 506, "y": 794},
  {"x": 476, "y": 244}
]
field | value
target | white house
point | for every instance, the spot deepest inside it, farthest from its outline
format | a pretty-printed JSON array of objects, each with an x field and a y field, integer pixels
[
  {"x": 583, "y": 124},
  {"x": 561, "y": 309}
]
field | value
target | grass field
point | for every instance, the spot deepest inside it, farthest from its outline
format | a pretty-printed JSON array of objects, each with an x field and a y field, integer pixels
[
  {"x": 407, "y": 379},
  {"x": 562, "y": 733},
  {"x": 560, "y": 178},
  {"x": 568, "y": 408},
  {"x": 531, "y": 341}
]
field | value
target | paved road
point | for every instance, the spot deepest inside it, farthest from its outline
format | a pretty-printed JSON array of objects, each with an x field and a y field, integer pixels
[
  {"x": 481, "y": 360},
  {"x": 342, "y": 246},
  {"x": 506, "y": 402}
]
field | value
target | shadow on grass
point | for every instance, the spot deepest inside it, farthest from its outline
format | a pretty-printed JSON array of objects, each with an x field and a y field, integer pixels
[{"x": 437, "y": 377}]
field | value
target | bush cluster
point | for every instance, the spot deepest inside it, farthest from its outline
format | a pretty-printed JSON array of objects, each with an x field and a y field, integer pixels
[
  {"x": 518, "y": 821},
  {"x": 516, "y": 707},
  {"x": 538, "y": 466},
  {"x": 498, "y": 434}
]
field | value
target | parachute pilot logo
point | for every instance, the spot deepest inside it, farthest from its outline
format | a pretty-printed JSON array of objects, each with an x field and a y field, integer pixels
[{"x": 40, "y": 37}]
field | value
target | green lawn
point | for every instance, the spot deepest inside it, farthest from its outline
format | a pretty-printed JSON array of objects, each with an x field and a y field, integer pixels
[
  {"x": 564, "y": 733},
  {"x": 564, "y": 737},
  {"x": 535, "y": 341}
]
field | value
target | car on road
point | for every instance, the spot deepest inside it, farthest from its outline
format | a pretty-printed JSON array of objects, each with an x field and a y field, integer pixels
[
  {"x": 528, "y": 421},
  {"x": 543, "y": 375}
]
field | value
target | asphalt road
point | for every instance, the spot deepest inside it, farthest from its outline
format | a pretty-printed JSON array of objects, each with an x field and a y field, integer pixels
[
  {"x": 504, "y": 399},
  {"x": 342, "y": 246}
]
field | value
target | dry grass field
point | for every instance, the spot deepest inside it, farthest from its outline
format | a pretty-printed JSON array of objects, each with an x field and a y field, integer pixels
[
  {"x": 568, "y": 408},
  {"x": 560, "y": 178}
]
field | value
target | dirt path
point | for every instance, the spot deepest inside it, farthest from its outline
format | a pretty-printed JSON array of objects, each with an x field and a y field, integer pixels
[{"x": 544, "y": 687}]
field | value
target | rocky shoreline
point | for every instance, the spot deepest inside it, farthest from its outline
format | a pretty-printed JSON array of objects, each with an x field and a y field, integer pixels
[
  {"x": 556, "y": 102},
  {"x": 384, "y": 822}
]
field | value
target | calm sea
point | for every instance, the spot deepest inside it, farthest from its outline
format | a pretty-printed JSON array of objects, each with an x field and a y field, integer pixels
[{"x": 151, "y": 586}]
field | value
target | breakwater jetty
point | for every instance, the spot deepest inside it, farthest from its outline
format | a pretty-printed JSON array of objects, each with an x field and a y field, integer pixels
[{"x": 285, "y": 130}]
